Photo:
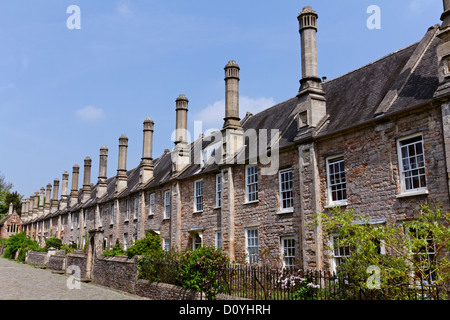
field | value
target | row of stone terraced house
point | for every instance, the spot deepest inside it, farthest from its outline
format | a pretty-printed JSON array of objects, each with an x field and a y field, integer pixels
[{"x": 376, "y": 139}]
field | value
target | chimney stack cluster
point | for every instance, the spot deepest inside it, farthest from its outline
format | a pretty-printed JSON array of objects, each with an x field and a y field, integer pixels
[{"x": 311, "y": 109}]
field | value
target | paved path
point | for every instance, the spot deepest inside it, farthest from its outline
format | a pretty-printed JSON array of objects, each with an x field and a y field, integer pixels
[{"x": 19, "y": 281}]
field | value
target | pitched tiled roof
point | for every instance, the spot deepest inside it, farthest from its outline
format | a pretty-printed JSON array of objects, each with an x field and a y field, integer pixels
[{"x": 397, "y": 82}]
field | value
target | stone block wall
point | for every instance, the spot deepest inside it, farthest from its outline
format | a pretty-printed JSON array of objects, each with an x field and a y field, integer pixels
[
  {"x": 77, "y": 260},
  {"x": 37, "y": 258},
  {"x": 119, "y": 273}
]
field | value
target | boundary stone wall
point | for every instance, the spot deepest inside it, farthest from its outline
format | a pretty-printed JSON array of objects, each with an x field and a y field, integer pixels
[{"x": 118, "y": 272}]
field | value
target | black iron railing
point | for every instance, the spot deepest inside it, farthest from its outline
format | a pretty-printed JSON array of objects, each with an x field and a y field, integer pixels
[{"x": 268, "y": 283}]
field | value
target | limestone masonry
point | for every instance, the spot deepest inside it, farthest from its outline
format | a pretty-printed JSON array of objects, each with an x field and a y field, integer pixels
[{"x": 376, "y": 139}]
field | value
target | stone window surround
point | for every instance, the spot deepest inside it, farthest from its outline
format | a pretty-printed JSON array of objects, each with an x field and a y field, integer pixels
[
  {"x": 219, "y": 183},
  {"x": 332, "y": 203},
  {"x": 247, "y": 194},
  {"x": 414, "y": 192},
  {"x": 289, "y": 209},
  {"x": 198, "y": 195}
]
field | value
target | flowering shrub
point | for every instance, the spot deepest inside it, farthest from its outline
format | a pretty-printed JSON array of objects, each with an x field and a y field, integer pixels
[
  {"x": 300, "y": 287},
  {"x": 200, "y": 270}
]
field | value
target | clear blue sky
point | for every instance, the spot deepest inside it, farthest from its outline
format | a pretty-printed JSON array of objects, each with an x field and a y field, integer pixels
[{"x": 65, "y": 93}]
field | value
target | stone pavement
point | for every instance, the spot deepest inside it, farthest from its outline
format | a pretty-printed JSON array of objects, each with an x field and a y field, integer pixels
[{"x": 19, "y": 281}]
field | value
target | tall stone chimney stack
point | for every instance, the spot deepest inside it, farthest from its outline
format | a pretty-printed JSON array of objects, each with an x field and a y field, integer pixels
[
  {"x": 35, "y": 204},
  {"x": 181, "y": 152},
  {"x": 48, "y": 195},
  {"x": 26, "y": 212},
  {"x": 443, "y": 54},
  {"x": 181, "y": 121},
  {"x": 311, "y": 95},
  {"x": 232, "y": 132},
  {"x": 10, "y": 209},
  {"x": 41, "y": 202},
  {"x": 64, "y": 191},
  {"x": 121, "y": 182},
  {"x": 87, "y": 179},
  {"x": 308, "y": 37},
  {"x": 147, "y": 151},
  {"x": 74, "y": 191},
  {"x": 55, "y": 201},
  {"x": 102, "y": 172},
  {"x": 232, "y": 120}
]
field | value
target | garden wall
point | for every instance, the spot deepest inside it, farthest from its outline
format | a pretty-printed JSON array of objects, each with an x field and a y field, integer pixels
[
  {"x": 76, "y": 260},
  {"x": 38, "y": 259},
  {"x": 118, "y": 272}
]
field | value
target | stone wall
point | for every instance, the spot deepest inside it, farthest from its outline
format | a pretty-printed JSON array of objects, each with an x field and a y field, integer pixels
[
  {"x": 76, "y": 260},
  {"x": 38, "y": 259},
  {"x": 164, "y": 291},
  {"x": 119, "y": 273},
  {"x": 57, "y": 262}
]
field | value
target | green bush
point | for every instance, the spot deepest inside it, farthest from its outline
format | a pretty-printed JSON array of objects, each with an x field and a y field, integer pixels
[
  {"x": 53, "y": 243},
  {"x": 114, "y": 251},
  {"x": 200, "y": 270},
  {"x": 20, "y": 242},
  {"x": 150, "y": 246}
]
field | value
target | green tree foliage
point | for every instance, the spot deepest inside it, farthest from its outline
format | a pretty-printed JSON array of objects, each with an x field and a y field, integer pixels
[
  {"x": 406, "y": 253},
  {"x": 22, "y": 243},
  {"x": 200, "y": 269},
  {"x": 4, "y": 189},
  {"x": 53, "y": 243},
  {"x": 116, "y": 250},
  {"x": 150, "y": 246}
]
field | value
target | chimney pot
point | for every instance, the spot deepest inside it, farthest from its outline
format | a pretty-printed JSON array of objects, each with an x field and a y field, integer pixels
[
  {"x": 147, "y": 151},
  {"x": 102, "y": 172},
  {"x": 232, "y": 119},
  {"x": 122, "y": 167}
]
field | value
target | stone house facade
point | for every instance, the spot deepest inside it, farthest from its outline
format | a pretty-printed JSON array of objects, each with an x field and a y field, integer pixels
[
  {"x": 376, "y": 139},
  {"x": 11, "y": 224}
]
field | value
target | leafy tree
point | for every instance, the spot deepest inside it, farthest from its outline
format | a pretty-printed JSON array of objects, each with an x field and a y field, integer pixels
[
  {"x": 16, "y": 199},
  {"x": 19, "y": 242},
  {"x": 53, "y": 243},
  {"x": 404, "y": 253},
  {"x": 114, "y": 251},
  {"x": 200, "y": 270},
  {"x": 4, "y": 189},
  {"x": 149, "y": 246}
]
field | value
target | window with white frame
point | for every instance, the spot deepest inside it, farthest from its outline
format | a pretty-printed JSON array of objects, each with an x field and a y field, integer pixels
[
  {"x": 198, "y": 195},
  {"x": 136, "y": 208},
  {"x": 252, "y": 245},
  {"x": 424, "y": 256},
  {"x": 112, "y": 214},
  {"x": 125, "y": 241},
  {"x": 85, "y": 218},
  {"x": 286, "y": 188},
  {"x": 340, "y": 252},
  {"x": 166, "y": 244},
  {"x": 218, "y": 239},
  {"x": 110, "y": 245},
  {"x": 288, "y": 251},
  {"x": 196, "y": 241},
  {"x": 251, "y": 183},
  {"x": 167, "y": 204},
  {"x": 337, "y": 184},
  {"x": 152, "y": 204},
  {"x": 219, "y": 191},
  {"x": 127, "y": 210},
  {"x": 101, "y": 217},
  {"x": 412, "y": 164}
]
